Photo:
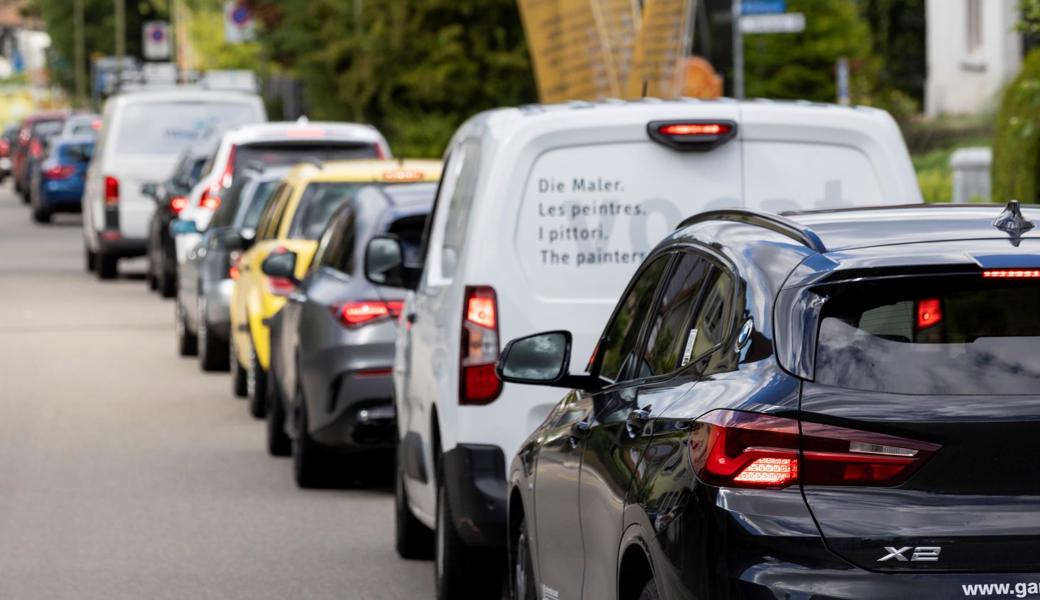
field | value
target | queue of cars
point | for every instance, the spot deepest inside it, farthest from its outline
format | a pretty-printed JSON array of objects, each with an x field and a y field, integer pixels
[{"x": 811, "y": 387}]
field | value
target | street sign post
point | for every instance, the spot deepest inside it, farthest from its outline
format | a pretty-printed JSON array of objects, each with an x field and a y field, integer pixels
[
  {"x": 156, "y": 41},
  {"x": 772, "y": 23}
]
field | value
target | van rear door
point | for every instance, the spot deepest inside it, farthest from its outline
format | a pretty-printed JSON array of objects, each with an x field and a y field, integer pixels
[{"x": 592, "y": 210}]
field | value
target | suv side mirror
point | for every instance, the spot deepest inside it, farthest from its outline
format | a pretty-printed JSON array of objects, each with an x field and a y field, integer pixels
[
  {"x": 384, "y": 263},
  {"x": 543, "y": 359},
  {"x": 233, "y": 239},
  {"x": 281, "y": 266},
  {"x": 151, "y": 190}
]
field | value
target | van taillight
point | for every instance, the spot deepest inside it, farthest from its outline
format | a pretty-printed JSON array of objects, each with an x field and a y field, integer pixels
[
  {"x": 692, "y": 135},
  {"x": 752, "y": 450},
  {"x": 111, "y": 191},
  {"x": 478, "y": 383}
]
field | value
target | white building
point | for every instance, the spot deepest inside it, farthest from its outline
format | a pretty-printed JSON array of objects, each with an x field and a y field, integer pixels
[{"x": 973, "y": 52}]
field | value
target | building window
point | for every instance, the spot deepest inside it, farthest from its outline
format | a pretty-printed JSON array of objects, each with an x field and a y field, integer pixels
[{"x": 974, "y": 25}]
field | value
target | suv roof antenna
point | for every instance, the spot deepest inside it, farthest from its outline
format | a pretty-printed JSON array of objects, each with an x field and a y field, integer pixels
[{"x": 1012, "y": 222}]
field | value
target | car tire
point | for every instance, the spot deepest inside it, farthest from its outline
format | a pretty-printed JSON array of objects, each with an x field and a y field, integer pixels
[
  {"x": 256, "y": 386},
  {"x": 214, "y": 353},
  {"x": 278, "y": 443},
  {"x": 41, "y": 216},
  {"x": 650, "y": 591},
  {"x": 461, "y": 571},
  {"x": 90, "y": 257},
  {"x": 412, "y": 539},
  {"x": 239, "y": 376},
  {"x": 107, "y": 266},
  {"x": 310, "y": 461},
  {"x": 187, "y": 343},
  {"x": 522, "y": 568},
  {"x": 166, "y": 282}
]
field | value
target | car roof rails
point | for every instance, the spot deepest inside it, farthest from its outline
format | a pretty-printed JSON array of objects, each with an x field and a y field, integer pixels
[{"x": 773, "y": 222}]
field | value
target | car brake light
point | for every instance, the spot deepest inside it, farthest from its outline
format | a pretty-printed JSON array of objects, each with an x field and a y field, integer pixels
[
  {"x": 692, "y": 135},
  {"x": 36, "y": 149},
  {"x": 229, "y": 169},
  {"x": 210, "y": 200},
  {"x": 478, "y": 383},
  {"x": 929, "y": 312},
  {"x": 357, "y": 314},
  {"x": 234, "y": 259},
  {"x": 96, "y": 124},
  {"x": 177, "y": 204},
  {"x": 59, "y": 172},
  {"x": 5, "y": 148},
  {"x": 1012, "y": 274},
  {"x": 111, "y": 191},
  {"x": 752, "y": 450}
]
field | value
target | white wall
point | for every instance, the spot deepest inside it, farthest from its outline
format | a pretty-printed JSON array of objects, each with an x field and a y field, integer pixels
[{"x": 960, "y": 80}]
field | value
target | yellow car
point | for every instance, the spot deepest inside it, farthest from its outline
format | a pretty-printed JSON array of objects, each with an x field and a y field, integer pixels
[{"x": 293, "y": 221}]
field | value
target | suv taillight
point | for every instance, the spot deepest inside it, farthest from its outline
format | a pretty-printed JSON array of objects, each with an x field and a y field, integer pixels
[
  {"x": 111, "y": 191},
  {"x": 177, "y": 204},
  {"x": 752, "y": 450},
  {"x": 478, "y": 383},
  {"x": 357, "y": 314},
  {"x": 210, "y": 199}
]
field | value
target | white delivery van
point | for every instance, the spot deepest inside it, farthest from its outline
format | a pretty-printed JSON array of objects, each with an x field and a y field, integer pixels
[
  {"x": 543, "y": 215},
  {"x": 142, "y": 134}
]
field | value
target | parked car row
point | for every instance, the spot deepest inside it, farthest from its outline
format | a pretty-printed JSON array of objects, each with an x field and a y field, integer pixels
[
  {"x": 796, "y": 379},
  {"x": 47, "y": 154}
]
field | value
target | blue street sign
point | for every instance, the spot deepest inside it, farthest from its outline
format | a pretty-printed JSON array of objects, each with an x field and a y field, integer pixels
[{"x": 763, "y": 7}]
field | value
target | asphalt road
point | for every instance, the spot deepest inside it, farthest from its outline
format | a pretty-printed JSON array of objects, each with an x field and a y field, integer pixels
[{"x": 125, "y": 472}]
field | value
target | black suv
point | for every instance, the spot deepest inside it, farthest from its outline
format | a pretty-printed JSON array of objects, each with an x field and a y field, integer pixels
[{"x": 839, "y": 404}]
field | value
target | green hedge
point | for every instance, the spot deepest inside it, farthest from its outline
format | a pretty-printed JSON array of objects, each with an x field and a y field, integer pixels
[{"x": 1016, "y": 146}]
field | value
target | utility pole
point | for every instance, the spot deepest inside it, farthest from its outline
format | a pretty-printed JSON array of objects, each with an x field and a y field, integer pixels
[
  {"x": 120, "y": 32},
  {"x": 738, "y": 52},
  {"x": 80, "y": 54}
]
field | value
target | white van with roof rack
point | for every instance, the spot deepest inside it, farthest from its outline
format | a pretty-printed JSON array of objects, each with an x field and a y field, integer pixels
[
  {"x": 142, "y": 134},
  {"x": 543, "y": 214}
]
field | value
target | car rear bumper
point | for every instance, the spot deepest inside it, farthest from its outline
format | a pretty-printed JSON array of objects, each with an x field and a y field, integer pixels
[
  {"x": 120, "y": 246},
  {"x": 359, "y": 411},
  {"x": 62, "y": 199},
  {"x": 476, "y": 488},
  {"x": 783, "y": 580},
  {"x": 218, "y": 308}
]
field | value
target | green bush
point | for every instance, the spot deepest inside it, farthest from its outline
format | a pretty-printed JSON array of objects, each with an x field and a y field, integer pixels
[{"x": 1016, "y": 147}]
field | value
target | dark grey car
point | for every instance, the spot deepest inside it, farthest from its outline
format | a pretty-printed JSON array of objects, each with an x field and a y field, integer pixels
[
  {"x": 332, "y": 345},
  {"x": 206, "y": 276}
]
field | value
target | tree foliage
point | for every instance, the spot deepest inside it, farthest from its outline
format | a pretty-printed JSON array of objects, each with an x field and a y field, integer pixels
[
  {"x": 898, "y": 28},
  {"x": 99, "y": 31},
  {"x": 1016, "y": 145},
  {"x": 415, "y": 68},
  {"x": 802, "y": 65}
]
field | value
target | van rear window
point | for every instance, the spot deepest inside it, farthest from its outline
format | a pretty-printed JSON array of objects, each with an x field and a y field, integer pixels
[
  {"x": 948, "y": 336},
  {"x": 167, "y": 128}
]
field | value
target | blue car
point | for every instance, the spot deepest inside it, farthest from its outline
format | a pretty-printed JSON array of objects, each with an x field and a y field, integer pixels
[{"x": 57, "y": 185}]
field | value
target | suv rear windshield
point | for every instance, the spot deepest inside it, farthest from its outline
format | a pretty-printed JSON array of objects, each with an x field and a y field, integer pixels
[{"x": 942, "y": 335}]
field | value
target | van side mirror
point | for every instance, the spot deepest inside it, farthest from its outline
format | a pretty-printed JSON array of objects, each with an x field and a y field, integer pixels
[
  {"x": 281, "y": 266},
  {"x": 385, "y": 265},
  {"x": 543, "y": 359}
]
